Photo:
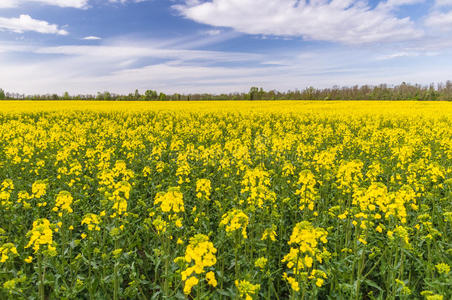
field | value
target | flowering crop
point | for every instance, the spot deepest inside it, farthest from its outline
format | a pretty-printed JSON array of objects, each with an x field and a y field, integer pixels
[{"x": 225, "y": 200}]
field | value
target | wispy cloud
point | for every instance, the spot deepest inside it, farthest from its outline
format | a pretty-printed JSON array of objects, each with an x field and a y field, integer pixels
[
  {"x": 123, "y": 65},
  {"x": 140, "y": 51},
  {"x": 26, "y": 23},
  {"x": 443, "y": 3},
  {"x": 125, "y": 1},
  {"x": 440, "y": 20},
  {"x": 60, "y": 3},
  {"x": 345, "y": 21},
  {"x": 405, "y": 54},
  {"x": 213, "y": 32},
  {"x": 91, "y": 38}
]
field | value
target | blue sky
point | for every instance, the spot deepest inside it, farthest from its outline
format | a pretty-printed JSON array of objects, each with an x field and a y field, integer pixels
[{"x": 88, "y": 46}]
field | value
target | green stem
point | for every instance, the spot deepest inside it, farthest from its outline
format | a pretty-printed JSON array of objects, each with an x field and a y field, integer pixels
[
  {"x": 41, "y": 279},
  {"x": 116, "y": 277},
  {"x": 90, "y": 287}
]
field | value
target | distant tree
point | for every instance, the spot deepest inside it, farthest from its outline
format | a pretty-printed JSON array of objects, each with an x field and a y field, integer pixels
[
  {"x": 66, "y": 96},
  {"x": 2, "y": 94},
  {"x": 150, "y": 95},
  {"x": 253, "y": 93},
  {"x": 137, "y": 95},
  {"x": 107, "y": 96},
  {"x": 162, "y": 97}
]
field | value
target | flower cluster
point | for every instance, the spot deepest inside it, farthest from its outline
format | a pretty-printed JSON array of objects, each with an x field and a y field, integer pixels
[
  {"x": 307, "y": 191},
  {"x": 234, "y": 220},
  {"x": 120, "y": 195},
  {"x": 114, "y": 183},
  {"x": 6, "y": 250},
  {"x": 6, "y": 188},
  {"x": 92, "y": 221},
  {"x": 349, "y": 175},
  {"x": 203, "y": 189},
  {"x": 171, "y": 204},
  {"x": 63, "y": 203},
  {"x": 269, "y": 234},
  {"x": 246, "y": 289},
  {"x": 199, "y": 255},
  {"x": 41, "y": 234},
  {"x": 305, "y": 249},
  {"x": 256, "y": 185},
  {"x": 171, "y": 201},
  {"x": 38, "y": 189}
]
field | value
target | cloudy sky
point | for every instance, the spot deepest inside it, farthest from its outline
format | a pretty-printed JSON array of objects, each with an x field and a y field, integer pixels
[{"x": 88, "y": 46}]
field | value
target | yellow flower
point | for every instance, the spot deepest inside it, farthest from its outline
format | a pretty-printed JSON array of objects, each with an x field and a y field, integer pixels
[
  {"x": 203, "y": 188},
  {"x": 28, "y": 259},
  {"x": 256, "y": 187},
  {"x": 160, "y": 225},
  {"x": 319, "y": 282},
  {"x": 234, "y": 220},
  {"x": 189, "y": 284},
  {"x": 38, "y": 189},
  {"x": 6, "y": 250},
  {"x": 261, "y": 262},
  {"x": 172, "y": 200},
  {"x": 116, "y": 253},
  {"x": 379, "y": 229},
  {"x": 210, "y": 277},
  {"x": 305, "y": 244},
  {"x": 92, "y": 221},
  {"x": 63, "y": 202},
  {"x": 199, "y": 254},
  {"x": 246, "y": 288},
  {"x": 442, "y": 268},
  {"x": 269, "y": 233},
  {"x": 41, "y": 234},
  {"x": 293, "y": 283}
]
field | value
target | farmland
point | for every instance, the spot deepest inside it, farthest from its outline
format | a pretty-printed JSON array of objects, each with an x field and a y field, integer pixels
[{"x": 221, "y": 200}]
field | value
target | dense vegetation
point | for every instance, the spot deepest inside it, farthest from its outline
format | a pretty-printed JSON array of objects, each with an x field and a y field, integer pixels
[
  {"x": 403, "y": 91},
  {"x": 256, "y": 200}
]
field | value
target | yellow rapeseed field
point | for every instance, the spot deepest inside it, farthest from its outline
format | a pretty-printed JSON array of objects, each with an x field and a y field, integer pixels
[{"x": 225, "y": 200}]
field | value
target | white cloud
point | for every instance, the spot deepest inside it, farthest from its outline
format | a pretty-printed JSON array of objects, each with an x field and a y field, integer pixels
[
  {"x": 405, "y": 54},
  {"x": 127, "y": 52},
  {"x": 120, "y": 66},
  {"x": 27, "y": 23},
  {"x": 125, "y": 1},
  {"x": 396, "y": 3},
  {"x": 92, "y": 38},
  {"x": 346, "y": 21},
  {"x": 60, "y": 3},
  {"x": 440, "y": 21},
  {"x": 443, "y": 3},
  {"x": 8, "y": 3},
  {"x": 213, "y": 32}
]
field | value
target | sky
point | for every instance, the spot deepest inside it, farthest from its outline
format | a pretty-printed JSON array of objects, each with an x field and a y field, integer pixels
[{"x": 217, "y": 46}]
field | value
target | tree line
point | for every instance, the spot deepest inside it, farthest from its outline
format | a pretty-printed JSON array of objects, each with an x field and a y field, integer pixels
[{"x": 404, "y": 91}]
